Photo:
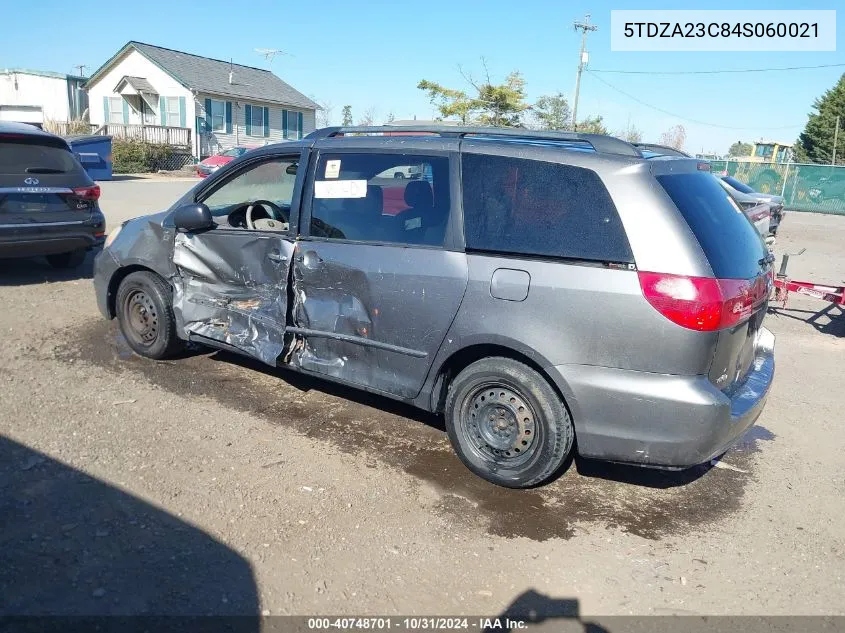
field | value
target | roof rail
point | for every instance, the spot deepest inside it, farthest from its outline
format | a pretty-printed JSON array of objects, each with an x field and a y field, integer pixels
[
  {"x": 661, "y": 149},
  {"x": 599, "y": 142}
]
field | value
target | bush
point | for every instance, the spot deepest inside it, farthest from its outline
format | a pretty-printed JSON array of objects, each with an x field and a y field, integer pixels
[{"x": 130, "y": 156}]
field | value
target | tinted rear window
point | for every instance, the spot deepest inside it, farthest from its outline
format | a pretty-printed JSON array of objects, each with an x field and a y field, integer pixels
[
  {"x": 729, "y": 240},
  {"x": 739, "y": 186},
  {"x": 530, "y": 207},
  {"x": 27, "y": 157}
]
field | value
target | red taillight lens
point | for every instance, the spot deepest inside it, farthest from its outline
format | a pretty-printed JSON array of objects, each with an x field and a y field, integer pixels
[
  {"x": 759, "y": 215},
  {"x": 88, "y": 193},
  {"x": 703, "y": 303}
]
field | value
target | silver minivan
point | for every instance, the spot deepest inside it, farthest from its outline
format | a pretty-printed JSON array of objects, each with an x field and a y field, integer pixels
[{"x": 532, "y": 287}]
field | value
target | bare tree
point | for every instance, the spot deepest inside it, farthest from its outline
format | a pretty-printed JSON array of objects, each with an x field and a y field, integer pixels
[
  {"x": 674, "y": 137},
  {"x": 632, "y": 134},
  {"x": 368, "y": 117},
  {"x": 324, "y": 113}
]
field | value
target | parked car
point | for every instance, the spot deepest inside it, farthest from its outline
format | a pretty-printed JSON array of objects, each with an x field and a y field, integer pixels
[
  {"x": 401, "y": 171},
  {"x": 211, "y": 164},
  {"x": 48, "y": 203},
  {"x": 775, "y": 202},
  {"x": 536, "y": 287},
  {"x": 757, "y": 212},
  {"x": 830, "y": 186}
]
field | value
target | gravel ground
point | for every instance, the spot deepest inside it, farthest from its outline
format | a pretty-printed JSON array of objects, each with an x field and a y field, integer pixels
[{"x": 210, "y": 484}]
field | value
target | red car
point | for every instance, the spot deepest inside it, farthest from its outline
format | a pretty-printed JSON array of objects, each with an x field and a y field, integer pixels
[{"x": 213, "y": 163}]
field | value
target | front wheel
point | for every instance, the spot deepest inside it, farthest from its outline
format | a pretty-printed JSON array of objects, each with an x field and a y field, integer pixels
[
  {"x": 507, "y": 424},
  {"x": 145, "y": 315}
]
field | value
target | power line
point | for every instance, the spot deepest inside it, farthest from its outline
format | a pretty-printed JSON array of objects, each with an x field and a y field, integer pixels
[
  {"x": 678, "y": 116},
  {"x": 713, "y": 72}
]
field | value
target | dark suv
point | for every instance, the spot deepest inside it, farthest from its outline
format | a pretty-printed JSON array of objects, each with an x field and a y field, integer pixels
[
  {"x": 48, "y": 203},
  {"x": 532, "y": 287}
]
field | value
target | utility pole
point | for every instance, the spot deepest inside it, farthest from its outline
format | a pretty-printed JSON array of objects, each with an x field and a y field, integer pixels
[
  {"x": 835, "y": 138},
  {"x": 584, "y": 27}
]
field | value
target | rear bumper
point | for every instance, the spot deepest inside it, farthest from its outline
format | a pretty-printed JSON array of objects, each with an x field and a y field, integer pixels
[
  {"x": 662, "y": 420},
  {"x": 33, "y": 240}
]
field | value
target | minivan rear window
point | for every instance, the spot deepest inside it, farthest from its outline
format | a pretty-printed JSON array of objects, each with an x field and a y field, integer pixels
[
  {"x": 732, "y": 245},
  {"x": 27, "y": 157},
  {"x": 536, "y": 208}
]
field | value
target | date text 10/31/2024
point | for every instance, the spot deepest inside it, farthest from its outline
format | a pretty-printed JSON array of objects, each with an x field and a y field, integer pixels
[{"x": 416, "y": 624}]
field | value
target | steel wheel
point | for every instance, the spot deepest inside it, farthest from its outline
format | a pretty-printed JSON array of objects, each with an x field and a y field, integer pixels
[
  {"x": 499, "y": 424},
  {"x": 141, "y": 315}
]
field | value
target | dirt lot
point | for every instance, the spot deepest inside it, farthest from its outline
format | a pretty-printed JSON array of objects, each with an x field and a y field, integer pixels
[{"x": 212, "y": 485}]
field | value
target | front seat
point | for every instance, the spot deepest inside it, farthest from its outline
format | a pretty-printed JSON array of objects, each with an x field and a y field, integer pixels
[
  {"x": 363, "y": 219},
  {"x": 422, "y": 222}
]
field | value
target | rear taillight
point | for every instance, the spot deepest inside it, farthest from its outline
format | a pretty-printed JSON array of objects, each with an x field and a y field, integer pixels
[
  {"x": 87, "y": 193},
  {"x": 760, "y": 215},
  {"x": 703, "y": 303}
]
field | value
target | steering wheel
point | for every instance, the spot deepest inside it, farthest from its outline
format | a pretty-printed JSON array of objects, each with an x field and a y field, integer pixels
[{"x": 275, "y": 213}]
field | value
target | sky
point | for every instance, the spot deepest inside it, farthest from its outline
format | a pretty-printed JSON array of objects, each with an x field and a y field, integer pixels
[{"x": 371, "y": 55}]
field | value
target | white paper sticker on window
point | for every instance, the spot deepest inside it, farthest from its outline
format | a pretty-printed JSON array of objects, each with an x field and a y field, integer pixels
[
  {"x": 332, "y": 168},
  {"x": 340, "y": 189}
]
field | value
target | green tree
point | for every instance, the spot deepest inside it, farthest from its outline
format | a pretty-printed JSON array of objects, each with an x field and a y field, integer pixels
[
  {"x": 449, "y": 102},
  {"x": 347, "y": 115},
  {"x": 815, "y": 143},
  {"x": 740, "y": 149},
  {"x": 487, "y": 103},
  {"x": 592, "y": 125},
  {"x": 551, "y": 112}
]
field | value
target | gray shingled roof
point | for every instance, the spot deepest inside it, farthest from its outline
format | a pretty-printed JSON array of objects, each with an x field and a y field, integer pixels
[
  {"x": 139, "y": 83},
  {"x": 212, "y": 75}
]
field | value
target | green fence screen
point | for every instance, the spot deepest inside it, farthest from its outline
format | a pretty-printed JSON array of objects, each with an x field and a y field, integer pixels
[{"x": 816, "y": 188}]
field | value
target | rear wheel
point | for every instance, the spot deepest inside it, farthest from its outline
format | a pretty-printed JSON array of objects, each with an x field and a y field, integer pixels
[
  {"x": 399, "y": 175},
  {"x": 145, "y": 315},
  {"x": 507, "y": 424},
  {"x": 67, "y": 260}
]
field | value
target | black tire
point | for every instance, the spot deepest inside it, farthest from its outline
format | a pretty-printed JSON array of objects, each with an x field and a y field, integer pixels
[
  {"x": 526, "y": 433},
  {"x": 67, "y": 260},
  {"x": 399, "y": 175},
  {"x": 145, "y": 315}
]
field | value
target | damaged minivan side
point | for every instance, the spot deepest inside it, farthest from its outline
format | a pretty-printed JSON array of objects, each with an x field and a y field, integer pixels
[{"x": 529, "y": 286}]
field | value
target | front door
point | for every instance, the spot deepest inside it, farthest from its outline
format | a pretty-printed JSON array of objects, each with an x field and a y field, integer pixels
[
  {"x": 233, "y": 285},
  {"x": 375, "y": 289}
]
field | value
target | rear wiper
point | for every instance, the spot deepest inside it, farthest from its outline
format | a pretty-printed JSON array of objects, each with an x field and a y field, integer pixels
[{"x": 44, "y": 170}]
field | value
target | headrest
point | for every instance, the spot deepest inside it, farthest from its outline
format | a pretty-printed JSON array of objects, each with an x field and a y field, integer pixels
[{"x": 418, "y": 194}]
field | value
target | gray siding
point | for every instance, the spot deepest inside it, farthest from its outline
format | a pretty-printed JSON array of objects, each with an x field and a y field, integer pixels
[{"x": 217, "y": 141}]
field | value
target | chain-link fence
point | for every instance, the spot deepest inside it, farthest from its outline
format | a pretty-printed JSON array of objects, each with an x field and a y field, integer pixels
[{"x": 817, "y": 188}]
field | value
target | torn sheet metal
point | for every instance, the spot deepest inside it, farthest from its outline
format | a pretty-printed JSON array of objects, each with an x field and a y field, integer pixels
[{"x": 233, "y": 288}]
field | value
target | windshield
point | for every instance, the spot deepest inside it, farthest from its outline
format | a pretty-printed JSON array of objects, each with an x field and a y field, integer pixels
[
  {"x": 729, "y": 240},
  {"x": 738, "y": 184}
]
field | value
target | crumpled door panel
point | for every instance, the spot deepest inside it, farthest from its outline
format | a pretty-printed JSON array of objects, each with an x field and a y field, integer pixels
[{"x": 229, "y": 289}]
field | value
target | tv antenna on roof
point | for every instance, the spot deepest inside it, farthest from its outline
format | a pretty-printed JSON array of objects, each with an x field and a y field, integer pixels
[{"x": 269, "y": 54}]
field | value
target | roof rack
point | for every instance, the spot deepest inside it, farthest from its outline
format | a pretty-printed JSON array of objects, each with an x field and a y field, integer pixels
[
  {"x": 599, "y": 142},
  {"x": 665, "y": 150}
]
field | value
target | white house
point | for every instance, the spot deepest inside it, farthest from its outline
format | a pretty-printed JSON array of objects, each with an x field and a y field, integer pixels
[
  {"x": 38, "y": 96},
  {"x": 165, "y": 95}
]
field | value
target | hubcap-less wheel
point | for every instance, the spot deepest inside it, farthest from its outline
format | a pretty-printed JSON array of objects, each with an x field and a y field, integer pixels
[
  {"x": 499, "y": 424},
  {"x": 142, "y": 318}
]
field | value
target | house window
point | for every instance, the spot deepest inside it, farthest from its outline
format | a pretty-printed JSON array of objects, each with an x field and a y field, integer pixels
[
  {"x": 218, "y": 116},
  {"x": 256, "y": 121},
  {"x": 293, "y": 125},
  {"x": 115, "y": 109},
  {"x": 174, "y": 117}
]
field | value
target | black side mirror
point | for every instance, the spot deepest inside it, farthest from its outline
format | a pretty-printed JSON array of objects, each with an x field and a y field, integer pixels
[
  {"x": 193, "y": 217},
  {"x": 290, "y": 170}
]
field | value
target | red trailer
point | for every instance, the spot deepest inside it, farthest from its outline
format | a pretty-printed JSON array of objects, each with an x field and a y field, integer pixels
[{"x": 784, "y": 285}]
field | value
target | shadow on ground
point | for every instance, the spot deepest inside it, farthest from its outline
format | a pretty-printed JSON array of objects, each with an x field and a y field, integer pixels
[
  {"x": 71, "y": 544},
  {"x": 648, "y": 503},
  {"x": 36, "y": 270},
  {"x": 828, "y": 320}
]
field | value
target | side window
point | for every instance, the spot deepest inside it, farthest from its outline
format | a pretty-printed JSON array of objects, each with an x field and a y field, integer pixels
[
  {"x": 531, "y": 207},
  {"x": 399, "y": 198},
  {"x": 270, "y": 181}
]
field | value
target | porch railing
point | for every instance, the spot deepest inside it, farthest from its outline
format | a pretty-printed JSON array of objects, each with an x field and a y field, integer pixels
[{"x": 177, "y": 136}]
